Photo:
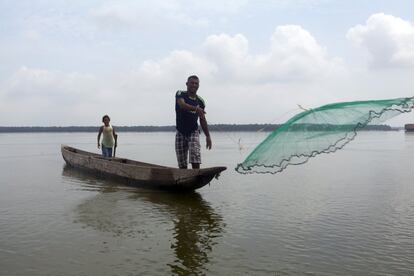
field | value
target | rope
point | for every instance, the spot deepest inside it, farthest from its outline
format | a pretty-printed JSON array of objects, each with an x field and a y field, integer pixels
[{"x": 238, "y": 142}]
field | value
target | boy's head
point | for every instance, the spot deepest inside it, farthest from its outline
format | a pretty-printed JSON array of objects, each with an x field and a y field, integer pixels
[{"x": 106, "y": 119}]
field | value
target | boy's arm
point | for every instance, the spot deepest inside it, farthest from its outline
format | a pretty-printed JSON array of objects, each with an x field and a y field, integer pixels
[
  {"x": 115, "y": 136},
  {"x": 99, "y": 136}
]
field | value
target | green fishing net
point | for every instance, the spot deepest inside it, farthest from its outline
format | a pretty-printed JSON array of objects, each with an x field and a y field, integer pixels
[{"x": 325, "y": 129}]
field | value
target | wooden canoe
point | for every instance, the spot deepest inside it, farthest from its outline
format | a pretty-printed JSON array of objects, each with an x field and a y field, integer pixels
[
  {"x": 139, "y": 173},
  {"x": 409, "y": 127}
]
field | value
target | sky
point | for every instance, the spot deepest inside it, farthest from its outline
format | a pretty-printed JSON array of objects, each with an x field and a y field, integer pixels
[{"x": 68, "y": 63}]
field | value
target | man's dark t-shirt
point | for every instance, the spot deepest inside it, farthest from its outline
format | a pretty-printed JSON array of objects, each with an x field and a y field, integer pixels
[{"x": 186, "y": 121}]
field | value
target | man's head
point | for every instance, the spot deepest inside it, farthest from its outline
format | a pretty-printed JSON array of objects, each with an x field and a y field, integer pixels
[{"x": 192, "y": 84}]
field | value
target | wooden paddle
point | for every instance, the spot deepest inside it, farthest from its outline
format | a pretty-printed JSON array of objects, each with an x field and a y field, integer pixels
[{"x": 116, "y": 143}]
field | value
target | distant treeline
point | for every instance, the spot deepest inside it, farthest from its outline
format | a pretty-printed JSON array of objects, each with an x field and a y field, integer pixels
[{"x": 217, "y": 127}]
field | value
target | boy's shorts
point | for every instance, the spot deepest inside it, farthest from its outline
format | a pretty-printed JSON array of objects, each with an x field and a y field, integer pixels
[{"x": 106, "y": 152}]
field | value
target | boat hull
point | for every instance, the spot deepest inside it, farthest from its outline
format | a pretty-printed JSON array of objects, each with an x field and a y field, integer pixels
[
  {"x": 139, "y": 173},
  {"x": 409, "y": 127}
]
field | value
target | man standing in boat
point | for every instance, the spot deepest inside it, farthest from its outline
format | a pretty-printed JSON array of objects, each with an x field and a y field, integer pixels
[{"x": 189, "y": 107}]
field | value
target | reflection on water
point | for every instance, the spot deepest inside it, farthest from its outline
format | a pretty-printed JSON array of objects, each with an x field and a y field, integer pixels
[
  {"x": 135, "y": 213},
  {"x": 88, "y": 181},
  {"x": 196, "y": 227}
]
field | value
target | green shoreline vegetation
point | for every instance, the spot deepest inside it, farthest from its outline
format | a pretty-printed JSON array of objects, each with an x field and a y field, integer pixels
[{"x": 216, "y": 127}]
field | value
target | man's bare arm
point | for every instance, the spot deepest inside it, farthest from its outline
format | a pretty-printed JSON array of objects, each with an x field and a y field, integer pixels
[
  {"x": 204, "y": 126},
  {"x": 190, "y": 107}
]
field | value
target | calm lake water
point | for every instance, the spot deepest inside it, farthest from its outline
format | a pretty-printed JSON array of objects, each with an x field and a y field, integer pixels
[{"x": 348, "y": 213}]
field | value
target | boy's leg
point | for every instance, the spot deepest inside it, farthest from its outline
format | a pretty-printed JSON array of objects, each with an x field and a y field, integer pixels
[{"x": 105, "y": 151}]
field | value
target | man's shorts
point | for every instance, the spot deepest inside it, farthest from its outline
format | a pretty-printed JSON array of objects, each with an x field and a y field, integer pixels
[{"x": 185, "y": 145}]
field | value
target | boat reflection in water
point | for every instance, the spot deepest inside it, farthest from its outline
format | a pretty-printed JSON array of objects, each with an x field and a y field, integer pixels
[{"x": 148, "y": 215}]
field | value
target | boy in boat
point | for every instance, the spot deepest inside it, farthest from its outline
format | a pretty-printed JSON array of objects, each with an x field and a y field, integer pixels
[
  {"x": 189, "y": 107},
  {"x": 109, "y": 137}
]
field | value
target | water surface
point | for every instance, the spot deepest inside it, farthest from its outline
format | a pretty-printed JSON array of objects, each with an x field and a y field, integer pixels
[{"x": 348, "y": 213}]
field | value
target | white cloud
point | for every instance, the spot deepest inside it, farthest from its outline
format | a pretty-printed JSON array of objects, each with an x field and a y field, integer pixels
[
  {"x": 32, "y": 35},
  {"x": 233, "y": 79},
  {"x": 299, "y": 4},
  {"x": 229, "y": 54},
  {"x": 388, "y": 39},
  {"x": 44, "y": 97},
  {"x": 173, "y": 67},
  {"x": 225, "y": 65},
  {"x": 294, "y": 55},
  {"x": 158, "y": 14},
  {"x": 29, "y": 83},
  {"x": 127, "y": 58},
  {"x": 223, "y": 62},
  {"x": 218, "y": 6}
]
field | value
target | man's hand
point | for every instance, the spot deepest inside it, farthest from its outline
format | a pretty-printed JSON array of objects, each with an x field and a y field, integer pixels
[
  {"x": 200, "y": 112},
  {"x": 208, "y": 142}
]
